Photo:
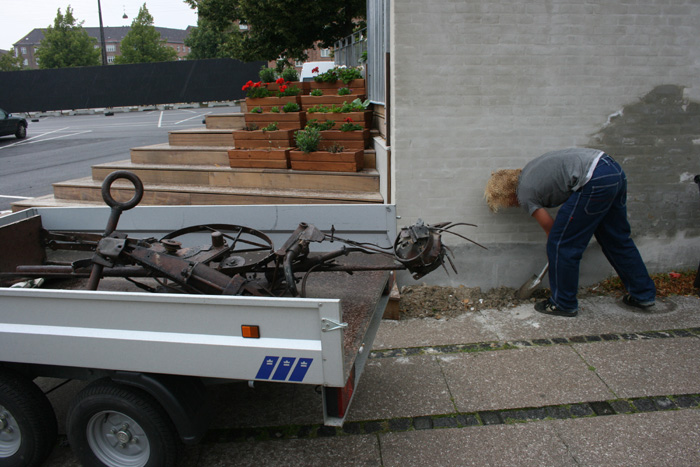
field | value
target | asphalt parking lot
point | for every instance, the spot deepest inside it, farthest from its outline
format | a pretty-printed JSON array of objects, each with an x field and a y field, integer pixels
[{"x": 63, "y": 147}]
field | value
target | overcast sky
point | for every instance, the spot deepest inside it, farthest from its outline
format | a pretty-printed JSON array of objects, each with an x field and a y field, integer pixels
[{"x": 19, "y": 17}]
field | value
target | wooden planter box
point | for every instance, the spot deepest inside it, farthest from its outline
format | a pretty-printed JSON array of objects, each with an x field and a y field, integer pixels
[
  {"x": 358, "y": 139},
  {"x": 259, "y": 158},
  {"x": 310, "y": 101},
  {"x": 361, "y": 118},
  {"x": 349, "y": 161},
  {"x": 285, "y": 121},
  {"x": 266, "y": 103},
  {"x": 244, "y": 139},
  {"x": 305, "y": 86},
  {"x": 357, "y": 85}
]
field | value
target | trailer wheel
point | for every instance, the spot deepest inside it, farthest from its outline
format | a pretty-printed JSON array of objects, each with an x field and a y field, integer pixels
[
  {"x": 28, "y": 426},
  {"x": 116, "y": 425}
]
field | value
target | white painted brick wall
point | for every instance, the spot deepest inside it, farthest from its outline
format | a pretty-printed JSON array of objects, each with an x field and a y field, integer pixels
[{"x": 480, "y": 85}]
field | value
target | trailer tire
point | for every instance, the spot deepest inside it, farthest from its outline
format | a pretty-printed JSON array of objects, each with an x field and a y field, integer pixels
[
  {"x": 116, "y": 425},
  {"x": 28, "y": 425}
]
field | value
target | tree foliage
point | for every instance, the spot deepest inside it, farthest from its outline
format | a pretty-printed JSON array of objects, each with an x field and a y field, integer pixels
[
  {"x": 143, "y": 44},
  {"x": 8, "y": 62},
  {"x": 67, "y": 44},
  {"x": 279, "y": 28},
  {"x": 205, "y": 41}
]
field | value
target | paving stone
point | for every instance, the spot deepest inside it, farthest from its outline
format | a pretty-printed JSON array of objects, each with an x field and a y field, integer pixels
[
  {"x": 401, "y": 387},
  {"x": 519, "y": 444},
  {"x": 528, "y": 377},
  {"x": 372, "y": 427},
  {"x": 400, "y": 424},
  {"x": 491, "y": 418},
  {"x": 664, "y": 403},
  {"x": 646, "y": 367},
  {"x": 602, "y": 408},
  {"x": 687, "y": 401},
  {"x": 581, "y": 410},
  {"x": 422, "y": 423},
  {"x": 558, "y": 412},
  {"x": 468, "y": 420},
  {"x": 644, "y": 405},
  {"x": 621, "y": 406},
  {"x": 667, "y": 438},
  {"x": 445, "y": 422}
]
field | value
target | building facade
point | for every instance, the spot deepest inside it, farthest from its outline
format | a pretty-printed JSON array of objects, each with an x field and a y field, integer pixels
[{"x": 29, "y": 44}]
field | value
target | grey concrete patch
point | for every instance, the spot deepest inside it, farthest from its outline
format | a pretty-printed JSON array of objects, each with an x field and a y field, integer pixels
[
  {"x": 532, "y": 377},
  {"x": 401, "y": 387},
  {"x": 648, "y": 367},
  {"x": 522, "y": 445},
  {"x": 662, "y": 438},
  {"x": 597, "y": 315},
  {"x": 344, "y": 451},
  {"x": 469, "y": 327}
]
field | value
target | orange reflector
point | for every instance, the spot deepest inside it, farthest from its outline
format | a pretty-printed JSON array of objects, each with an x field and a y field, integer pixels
[{"x": 250, "y": 331}]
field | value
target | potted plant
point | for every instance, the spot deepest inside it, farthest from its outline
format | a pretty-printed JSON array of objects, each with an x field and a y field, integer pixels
[
  {"x": 349, "y": 135},
  {"x": 355, "y": 110},
  {"x": 339, "y": 77},
  {"x": 271, "y": 136},
  {"x": 333, "y": 96},
  {"x": 335, "y": 158},
  {"x": 265, "y": 148},
  {"x": 260, "y": 95}
]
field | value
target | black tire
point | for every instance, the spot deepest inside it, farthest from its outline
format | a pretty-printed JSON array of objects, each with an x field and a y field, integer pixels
[
  {"x": 115, "y": 425},
  {"x": 28, "y": 425},
  {"x": 21, "y": 132}
]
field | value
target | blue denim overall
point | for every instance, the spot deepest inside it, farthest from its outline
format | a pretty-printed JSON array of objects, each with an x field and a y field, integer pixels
[{"x": 599, "y": 208}]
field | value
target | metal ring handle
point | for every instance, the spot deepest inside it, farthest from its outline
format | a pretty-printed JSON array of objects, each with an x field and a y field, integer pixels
[{"x": 107, "y": 185}]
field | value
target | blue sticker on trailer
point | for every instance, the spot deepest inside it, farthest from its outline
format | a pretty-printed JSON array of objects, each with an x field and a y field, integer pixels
[{"x": 284, "y": 369}]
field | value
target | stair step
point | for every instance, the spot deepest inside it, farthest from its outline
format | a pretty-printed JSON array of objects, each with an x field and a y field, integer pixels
[
  {"x": 366, "y": 180},
  {"x": 231, "y": 121},
  {"x": 201, "y": 137},
  {"x": 165, "y": 154},
  {"x": 87, "y": 191}
]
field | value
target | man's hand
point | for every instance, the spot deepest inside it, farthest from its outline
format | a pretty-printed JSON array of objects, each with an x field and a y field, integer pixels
[{"x": 544, "y": 219}]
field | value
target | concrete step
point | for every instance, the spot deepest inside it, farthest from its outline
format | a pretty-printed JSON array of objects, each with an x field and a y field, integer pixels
[
  {"x": 232, "y": 121},
  {"x": 201, "y": 137},
  {"x": 366, "y": 180},
  {"x": 166, "y": 154},
  {"x": 87, "y": 192}
]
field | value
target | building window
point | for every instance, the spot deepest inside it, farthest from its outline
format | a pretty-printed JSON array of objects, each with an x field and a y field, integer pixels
[
  {"x": 325, "y": 53},
  {"x": 24, "y": 50},
  {"x": 35, "y": 49},
  {"x": 178, "y": 48},
  {"x": 111, "y": 48},
  {"x": 243, "y": 26},
  {"x": 297, "y": 63},
  {"x": 26, "y": 62},
  {"x": 110, "y": 58}
]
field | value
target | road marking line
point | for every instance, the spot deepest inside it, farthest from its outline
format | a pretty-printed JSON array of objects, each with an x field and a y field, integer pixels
[
  {"x": 187, "y": 119},
  {"x": 59, "y": 137},
  {"x": 15, "y": 197},
  {"x": 160, "y": 119},
  {"x": 28, "y": 140}
]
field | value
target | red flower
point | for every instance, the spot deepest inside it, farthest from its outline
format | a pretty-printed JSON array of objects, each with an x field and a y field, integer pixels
[
  {"x": 283, "y": 88},
  {"x": 249, "y": 83},
  {"x": 256, "y": 85},
  {"x": 315, "y": 70},
  {"x": 279, "y": 81},
  {"x": 348, "y": 120},
  {"x": 245, "y": 87}
]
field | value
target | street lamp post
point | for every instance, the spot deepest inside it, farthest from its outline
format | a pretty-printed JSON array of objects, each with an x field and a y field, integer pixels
[{"x": 103, "y": 46}]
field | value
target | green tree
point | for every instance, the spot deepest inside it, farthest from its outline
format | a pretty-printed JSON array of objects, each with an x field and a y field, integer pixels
[
  {"x": 8, "y": 62},
  {"x": 280, "y": 28},
  {"x": 205, "y": 41},
  {"x": 143, "y": 43},
  {"x": 67, "y": 44}
]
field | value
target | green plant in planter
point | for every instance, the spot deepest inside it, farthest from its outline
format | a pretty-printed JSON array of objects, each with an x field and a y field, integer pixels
[
  {"x": 316, "y": 92},
  {"x": 271, "y": 127},
  {"x": 344, "y": 91},
  {"x": 275, "y": 109},
  {"x": 267, "y": 75},
  {"x": 257, "y": 110},
  {"x": 288, "y": 91},
  {"x": 291, "y": 107},
  {"x": 349, "y": 125},
  {"x": 328, "y": 125},
  {"x": 251, "y": 127},
  {"x": 344, "y": 74},
  {"x": 308, "y": 139},
  {"x": 290, "y": 74},
  {"x": 335, "y": 148}
]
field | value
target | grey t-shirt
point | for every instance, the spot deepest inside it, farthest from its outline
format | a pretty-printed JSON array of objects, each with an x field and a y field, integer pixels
[{"x": 549, "y": 180}]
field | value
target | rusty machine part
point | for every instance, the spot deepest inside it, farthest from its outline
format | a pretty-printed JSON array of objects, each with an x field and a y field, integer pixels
[{"x": 238, "y": 260}]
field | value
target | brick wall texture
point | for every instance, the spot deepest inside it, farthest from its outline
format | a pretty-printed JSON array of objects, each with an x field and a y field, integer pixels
[{"x": 480, "y": 85}]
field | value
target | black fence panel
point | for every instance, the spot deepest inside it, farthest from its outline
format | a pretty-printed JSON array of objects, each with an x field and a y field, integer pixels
[{"x": 125, "y": 85}]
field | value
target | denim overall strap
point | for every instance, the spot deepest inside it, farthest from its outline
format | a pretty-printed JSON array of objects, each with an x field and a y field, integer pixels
[{"x": 598, "y": 208}]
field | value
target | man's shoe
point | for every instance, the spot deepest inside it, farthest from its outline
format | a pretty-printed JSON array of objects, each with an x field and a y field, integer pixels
[
  {"x": 548, "y": 308},
  {"x": 631, "y": 301}
]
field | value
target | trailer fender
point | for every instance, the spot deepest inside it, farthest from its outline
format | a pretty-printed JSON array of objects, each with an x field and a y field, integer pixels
[{"x": 184, "y": 398}]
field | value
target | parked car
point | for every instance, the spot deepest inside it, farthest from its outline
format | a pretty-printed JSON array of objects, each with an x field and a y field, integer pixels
[{"x": 10, "y": 125}]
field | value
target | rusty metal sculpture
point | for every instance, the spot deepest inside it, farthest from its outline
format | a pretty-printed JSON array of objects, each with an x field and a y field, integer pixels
[{"x": 237, "y": 261}]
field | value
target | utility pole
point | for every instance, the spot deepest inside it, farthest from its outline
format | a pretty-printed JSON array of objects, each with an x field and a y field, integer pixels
[{"x": 103, "y": 46}]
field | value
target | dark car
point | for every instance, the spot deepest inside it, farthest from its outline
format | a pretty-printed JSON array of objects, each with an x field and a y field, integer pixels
[{"x": 10, "y": 125}]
